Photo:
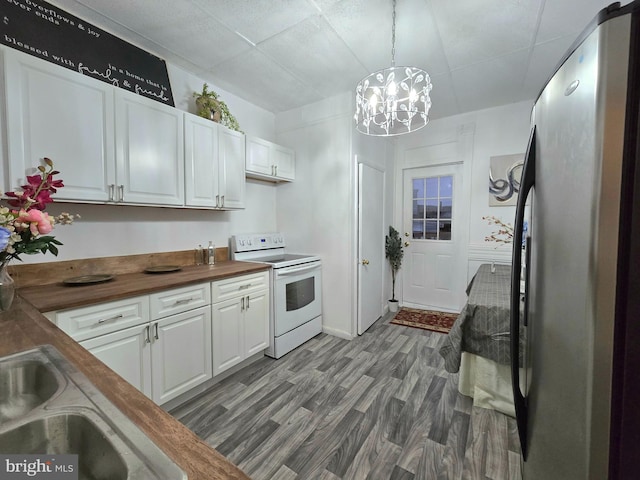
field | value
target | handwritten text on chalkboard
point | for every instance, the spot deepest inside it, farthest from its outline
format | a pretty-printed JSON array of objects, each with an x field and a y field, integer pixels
[{"x": 42, "y": 30}]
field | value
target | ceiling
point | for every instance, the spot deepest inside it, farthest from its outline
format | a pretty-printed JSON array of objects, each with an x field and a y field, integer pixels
[{"x": 282, "y": 54}]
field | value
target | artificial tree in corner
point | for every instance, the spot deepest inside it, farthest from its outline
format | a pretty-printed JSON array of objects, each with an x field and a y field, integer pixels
[{"x": 394, "y": 253}]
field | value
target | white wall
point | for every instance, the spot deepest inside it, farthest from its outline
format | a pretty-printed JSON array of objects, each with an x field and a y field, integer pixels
[
  {"x": 317, "y": 212},
  {"x": 109, "y": 230},
  {"x": 496, "y": 131}
]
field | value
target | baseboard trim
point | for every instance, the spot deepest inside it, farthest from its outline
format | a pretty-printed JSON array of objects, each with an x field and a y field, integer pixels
[{"x": 337, "y": 333}]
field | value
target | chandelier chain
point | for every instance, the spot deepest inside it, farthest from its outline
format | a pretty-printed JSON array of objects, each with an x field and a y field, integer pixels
[{"x": 393, "y": 36}]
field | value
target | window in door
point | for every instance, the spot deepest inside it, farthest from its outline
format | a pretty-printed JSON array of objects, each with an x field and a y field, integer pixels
[{"x": 432, "y": 205}]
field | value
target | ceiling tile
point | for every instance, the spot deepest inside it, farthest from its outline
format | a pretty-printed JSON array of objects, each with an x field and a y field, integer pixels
[
  {"x": 567, "y": 17},
  {"x": 262, "y": 82},
  {"x": 258, "y": 21},
  {"x": 495, "y": 82},
  {"x": 316, "y": 55},
  {"x": 142, "y": 15},
  {"x": 365, "y": 26},
  {"x": 473, "y": 31}
]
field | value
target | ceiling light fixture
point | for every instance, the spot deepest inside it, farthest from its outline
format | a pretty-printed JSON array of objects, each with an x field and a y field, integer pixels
[{"x": 395, "y": 100}]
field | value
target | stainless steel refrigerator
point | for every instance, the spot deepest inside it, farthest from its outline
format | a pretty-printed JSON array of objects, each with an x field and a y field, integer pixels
[{"x": 578, "y": 405}]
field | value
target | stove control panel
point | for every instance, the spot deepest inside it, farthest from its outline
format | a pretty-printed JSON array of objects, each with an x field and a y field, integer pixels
[{"x": 256, "y": 241}]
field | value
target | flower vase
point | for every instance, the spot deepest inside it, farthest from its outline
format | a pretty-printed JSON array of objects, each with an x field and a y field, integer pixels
[{"x": 7, "y": 288}]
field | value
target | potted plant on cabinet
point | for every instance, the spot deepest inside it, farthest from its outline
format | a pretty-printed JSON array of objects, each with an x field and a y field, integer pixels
[
  {"x": 210, "y": 106},
  {"x": 394, "y": 253}
]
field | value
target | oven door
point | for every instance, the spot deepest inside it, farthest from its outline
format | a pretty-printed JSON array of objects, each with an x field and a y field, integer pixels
[{"x": 297, "y": 297}]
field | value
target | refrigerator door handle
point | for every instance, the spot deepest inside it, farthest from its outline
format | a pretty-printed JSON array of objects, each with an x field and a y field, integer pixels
[{"x": 528, "y": 181}]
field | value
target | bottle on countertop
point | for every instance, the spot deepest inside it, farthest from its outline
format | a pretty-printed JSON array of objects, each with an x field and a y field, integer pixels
[
  {"x": 199, "y": 255},
  {"x": 211, "y": 253}
]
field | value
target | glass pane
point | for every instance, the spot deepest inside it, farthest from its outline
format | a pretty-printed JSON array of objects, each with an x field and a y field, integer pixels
[
  {"x": 300, "y": 293},
  {"x": 418, "y": 209},
  {"x": 445, "y": 230},
  {"x": 446, "y": 186},
  {"x": 432, "y": 187},
  {"x": 445, "y": 208},
  {"x": 431, "y": 230},
  {"x": 432, "y": 208},
  {"x": 418, "y": 188},
  {"x": 418, "y": 229}
]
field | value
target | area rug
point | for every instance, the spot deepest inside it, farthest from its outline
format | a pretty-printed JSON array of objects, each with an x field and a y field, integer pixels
[{"x": 426, "y": 319}]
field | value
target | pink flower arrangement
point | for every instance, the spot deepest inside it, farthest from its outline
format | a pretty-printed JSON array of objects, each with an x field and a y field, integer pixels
[{"x": 24, "y": 227}]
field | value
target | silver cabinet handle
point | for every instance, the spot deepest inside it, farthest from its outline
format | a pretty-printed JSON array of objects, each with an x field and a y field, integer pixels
[
  {"x": 247, "y": 302},
  {"x": 276, "y": 170},
  {"x": 222, "y": 201},
  {"x": 182, "y": 301},
  {"x": 217, "y": 201},
  {"x": 147, "y": 334},
  {"x": 110, "y": 319},
  {"x": 112, "y": 188},
  {"x": 273, "y": 171},
  {"x": 156, "y": 336},
  {"x": 242, "y": 305},
  {"x": 121, "y": 193},
  {"x": 244, "y": 287}
]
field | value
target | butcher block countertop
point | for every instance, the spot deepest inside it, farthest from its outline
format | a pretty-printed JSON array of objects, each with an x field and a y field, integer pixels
[
  {"x": 59, "y": 296},
  {"x": 23, "y": 327}
]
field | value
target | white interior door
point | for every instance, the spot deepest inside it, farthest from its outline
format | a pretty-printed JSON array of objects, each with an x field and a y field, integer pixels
[
  {"x": 370, "y": 245},
  {"x": 434, "y": 267}
]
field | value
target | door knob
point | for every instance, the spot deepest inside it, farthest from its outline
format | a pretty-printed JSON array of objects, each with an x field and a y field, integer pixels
[
  {"x": 406, "y": 244},
  {"x": 365, "y": 262},
  {"x": 406, "y": 234}
]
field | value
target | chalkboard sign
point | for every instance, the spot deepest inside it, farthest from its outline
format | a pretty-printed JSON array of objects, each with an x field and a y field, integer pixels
[{"x": 44, "y": 31}]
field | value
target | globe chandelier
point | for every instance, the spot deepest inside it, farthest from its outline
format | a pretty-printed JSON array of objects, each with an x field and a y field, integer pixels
[{"x": 395, "y": 100}]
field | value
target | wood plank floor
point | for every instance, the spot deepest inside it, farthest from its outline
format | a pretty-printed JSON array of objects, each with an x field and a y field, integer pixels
[{"x": 378, "y": 407}]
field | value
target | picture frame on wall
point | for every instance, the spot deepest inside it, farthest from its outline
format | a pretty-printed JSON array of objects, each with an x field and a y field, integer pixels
[{"x": 505, "y": 172}]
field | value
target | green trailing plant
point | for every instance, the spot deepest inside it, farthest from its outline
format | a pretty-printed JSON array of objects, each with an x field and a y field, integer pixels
[
  {"x": 394, "y": 253},
  {"x": 210, "y": 106}
]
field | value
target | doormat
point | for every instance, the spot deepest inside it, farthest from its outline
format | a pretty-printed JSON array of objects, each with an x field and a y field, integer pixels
[{"x": 426, "y": 319}]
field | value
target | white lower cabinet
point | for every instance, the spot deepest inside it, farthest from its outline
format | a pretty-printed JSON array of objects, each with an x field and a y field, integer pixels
[
  {"x": 127, "y": 353},
  {"x": 168, "y": 350},
  {"x": 180, "y": 353},
  {"x": 240, "y": 322},
  {"x": 170, "y": 342}
]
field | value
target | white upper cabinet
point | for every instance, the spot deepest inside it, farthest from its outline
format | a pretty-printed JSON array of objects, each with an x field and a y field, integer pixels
[
  {"x": 214, "y": 164},
  {"x": 201, "y": 161},
  {"x": 149, "y": 151},
  {"x": 57, "y": 113},
  {"x": 269, "y": 161},
  {"x": 231, "y": 153}
]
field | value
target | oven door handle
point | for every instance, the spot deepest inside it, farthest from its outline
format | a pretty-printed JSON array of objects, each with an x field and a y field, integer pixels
[{"x": 293, "y": 270}]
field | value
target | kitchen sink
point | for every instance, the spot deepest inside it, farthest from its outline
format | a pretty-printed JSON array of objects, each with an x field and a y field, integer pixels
[
  {"x": 47, "y": 406},
  {"x": 68, "y": 434},
  {"x": 24, "y": 385}
]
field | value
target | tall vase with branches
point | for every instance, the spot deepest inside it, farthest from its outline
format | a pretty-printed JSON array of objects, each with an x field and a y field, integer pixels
[{"x": 394, "y": 253}]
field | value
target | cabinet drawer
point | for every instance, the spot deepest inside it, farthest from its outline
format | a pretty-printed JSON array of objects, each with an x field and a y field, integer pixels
[
  {"x": 179, "y": 300},
  {"x": 237, "y": 286},
  {"x": 88, "y": 322}
]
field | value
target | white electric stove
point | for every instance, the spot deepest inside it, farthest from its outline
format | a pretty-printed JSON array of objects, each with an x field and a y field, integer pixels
[{"x": 296, "y": 289}]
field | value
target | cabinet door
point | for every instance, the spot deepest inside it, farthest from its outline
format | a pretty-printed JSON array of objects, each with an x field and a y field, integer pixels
[
  {"x": 231, "y": 160},
  {"x": 259, "y": 156},
  {"x": 201, "y": 161},
  {"x": 284, "y": 160},
  {"x": 127, "y": 353},
  {"x": 227, "y": 333},
  {"x": 180, "y": 353},
  {"x": 149, "y": 151},
  {"x": 57, "y": 113},
  {"x": 256, "y": 323}
]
